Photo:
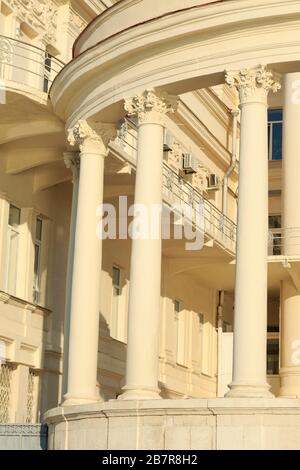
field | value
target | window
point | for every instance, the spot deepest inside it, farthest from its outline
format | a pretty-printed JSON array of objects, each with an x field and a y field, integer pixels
[
  {"x": 275, "y": 235},
  {"x": 5, "y": 392},
  {"x": 273, "y": 357},
  {"x": 180, "y": 333},
  {"x": 116, "y": 300},
  {"x": 275, "y": 127},
  {"x": 37, "y": 260},
  {"x": 47, "y": 71},
  {"x": 32, "y": 397},
  {"x": 12, "y": 248}
]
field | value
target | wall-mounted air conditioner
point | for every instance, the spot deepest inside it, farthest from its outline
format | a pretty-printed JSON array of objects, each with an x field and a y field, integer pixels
[
  {"x": 213, "y": 182},
  {"x": 190, "y": 163}
]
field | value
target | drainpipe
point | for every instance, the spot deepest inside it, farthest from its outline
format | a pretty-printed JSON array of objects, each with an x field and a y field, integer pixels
[
  {"x": 235, "y": 114},
  {"x": 220, "y": 333}
]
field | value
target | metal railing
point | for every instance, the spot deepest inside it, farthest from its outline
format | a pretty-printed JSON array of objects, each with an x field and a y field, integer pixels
[
  {"x": 27, "y": 64},
  {"x": 178, "y": 191},
  {"x": 284, "y": 242}
]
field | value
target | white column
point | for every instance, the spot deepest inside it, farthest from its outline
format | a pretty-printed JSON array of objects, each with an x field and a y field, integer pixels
[
  {"x": 290, "y": 293},
  {"x": 84, "y": 321},
  {"x": 250, "y": 324},
  {"x": 72, "y": 161},
  {"x": 145, "y": 275}
]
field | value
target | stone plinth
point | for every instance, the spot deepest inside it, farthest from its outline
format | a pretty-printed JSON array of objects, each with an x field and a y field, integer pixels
[{"x": 214, "y": 424}]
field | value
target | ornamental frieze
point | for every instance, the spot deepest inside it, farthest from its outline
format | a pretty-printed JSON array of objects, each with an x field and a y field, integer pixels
[{"x": 40, "y": 15}]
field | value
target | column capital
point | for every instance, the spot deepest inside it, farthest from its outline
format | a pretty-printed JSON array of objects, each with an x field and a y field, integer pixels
[
  {"x": 72, "y": 162},
  {"x": 151, "y": 107},
  {"x": 91, "y": 138},
  {"x": 253, "y": 84}
]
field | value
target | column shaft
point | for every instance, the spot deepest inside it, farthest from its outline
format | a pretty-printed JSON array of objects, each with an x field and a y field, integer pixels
[
  {"x": 145, "y": 274},
  {"x": 84, "y": 318},
  {"x": 250, "y": 324},
  {"x": 72, "y": 160},
  {"x": 290, "y": 294}
]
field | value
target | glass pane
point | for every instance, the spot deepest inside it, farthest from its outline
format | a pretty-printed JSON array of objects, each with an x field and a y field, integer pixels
[
  {"x": 36, "y": 259},
  {"x": 14, "y": 216},
  {"x": 277, "y": 142},
  {"x": 38, "y": 230},
  {"x": 275, "y": 221},
  {"x": 273, "y": 357},
  {"x": 12, "y": 266},
  {"x": 116, "y": 276},
  {"x": 275, "y": 115}
]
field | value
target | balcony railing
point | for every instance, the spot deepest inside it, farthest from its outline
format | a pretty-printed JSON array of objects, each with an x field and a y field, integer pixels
[
  {"x": 27, "y": 64},
  {"x": 284, "y": 242},
  {"x": 177, "y": 191}
]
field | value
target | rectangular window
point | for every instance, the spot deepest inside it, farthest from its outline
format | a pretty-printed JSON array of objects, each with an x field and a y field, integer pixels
[
  {"x": 273, "y": 357},
  {"x": 47, "y": 71},
  {"x": 275, "y": 131},
  {"x": 275, "y": 235},
  {"x": 116, "y": 300},
  {"x": 180, "y": 333},
  {"x": 37, "y": 260},
  {"x": 12, "y": 248},
  {"x": 32, "y": 397},
  {"x": 5, "y": 393}
]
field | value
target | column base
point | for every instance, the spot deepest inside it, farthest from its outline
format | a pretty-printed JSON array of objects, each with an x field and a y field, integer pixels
[
  {"x": 290, "y": 383},
  {"x": 72, "y": 400},
  {"x": 246, "y": 390},
  {"x": 139, "y": 394}
]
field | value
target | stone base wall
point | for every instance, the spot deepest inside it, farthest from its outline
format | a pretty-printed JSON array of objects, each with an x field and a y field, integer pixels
[{"x": 215, "y": 424}]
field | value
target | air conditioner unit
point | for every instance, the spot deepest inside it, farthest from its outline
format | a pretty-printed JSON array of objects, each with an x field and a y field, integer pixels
[
  {"x": 213, "y": 182},
  {"x": 168, "y": 141},
  {"x": 190, "y": 163}
]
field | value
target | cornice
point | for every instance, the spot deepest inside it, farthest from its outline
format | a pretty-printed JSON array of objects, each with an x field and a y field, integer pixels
[{"x": 167, "y": 51}]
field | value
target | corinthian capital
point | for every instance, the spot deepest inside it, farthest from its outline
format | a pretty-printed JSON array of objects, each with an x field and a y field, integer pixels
[
  {"x": 253, "y": 84},
  {"x": 93, "y": 138},
  {"x": 151, "y": 106}
]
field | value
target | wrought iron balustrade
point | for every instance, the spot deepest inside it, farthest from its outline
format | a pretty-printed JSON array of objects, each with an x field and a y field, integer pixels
[
  {"x": 27, "y": 64},
  {"x": 284, "y": 242},
  {"x": 177, "y": 191}
]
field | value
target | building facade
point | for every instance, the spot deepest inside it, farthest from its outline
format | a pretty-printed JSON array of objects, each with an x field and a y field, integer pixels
[{"x": 109, "y": 104}]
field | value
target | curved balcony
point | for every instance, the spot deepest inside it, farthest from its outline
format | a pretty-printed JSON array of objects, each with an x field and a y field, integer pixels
[{"x": 27, "y": 65}]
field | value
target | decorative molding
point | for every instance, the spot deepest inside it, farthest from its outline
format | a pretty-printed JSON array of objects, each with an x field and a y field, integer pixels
[
  {"x": 92, "y": 138},
  {"x": 40, "y": 15},
  {"x": 151, "y": 107},
  {"x": 253, "y": 84},
  {"x": 23, "y": 430},
  {"x": 72, "y": 162},
  {"x": 6, "y": 51},
  {"x": 175, "y": 156},
  {"x": 76, "y": 21}
]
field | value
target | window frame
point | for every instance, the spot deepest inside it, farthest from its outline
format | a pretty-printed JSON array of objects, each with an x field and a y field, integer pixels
[
  {"x": 117, "y": 330},
  {"x": 10, "y": 230},
  {"x": 37, "y": 276},
  {"x": 270, "y": 136},
  {"x": 180, "y": 345}
]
